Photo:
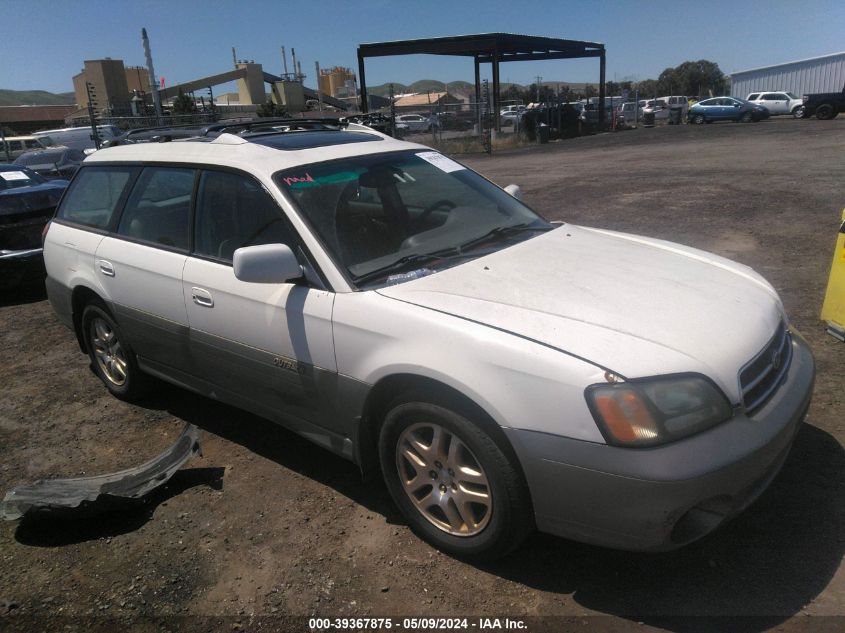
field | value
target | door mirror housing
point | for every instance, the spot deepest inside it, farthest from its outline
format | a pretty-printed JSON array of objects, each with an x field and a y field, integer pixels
[
  {"x": 266, "y": 264},
  {"x": 515, "y": 191}
]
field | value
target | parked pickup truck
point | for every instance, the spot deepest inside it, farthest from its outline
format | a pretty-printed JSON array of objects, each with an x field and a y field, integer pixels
[{"x": 825, "y": 105}]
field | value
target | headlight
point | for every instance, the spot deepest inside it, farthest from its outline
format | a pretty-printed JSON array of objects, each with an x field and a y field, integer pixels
[{"x": 651, "y": 411}]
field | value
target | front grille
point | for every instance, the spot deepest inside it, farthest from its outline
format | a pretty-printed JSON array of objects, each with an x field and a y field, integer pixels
[{"x": 761, "y": 377}]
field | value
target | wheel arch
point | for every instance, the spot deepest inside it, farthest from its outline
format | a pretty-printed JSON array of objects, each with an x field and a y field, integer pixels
[
  {"x": 80, "y": 297},
  {"x": 390, "y": 388}
]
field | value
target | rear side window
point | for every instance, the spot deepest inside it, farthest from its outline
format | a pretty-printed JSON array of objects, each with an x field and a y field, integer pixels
[
  {"x": 94, "y": 196},
  {"x": 159, "y": 208},
  {"x": 234, "y": 211}
]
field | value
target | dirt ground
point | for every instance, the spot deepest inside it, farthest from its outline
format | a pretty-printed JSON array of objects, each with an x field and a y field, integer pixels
[{"x": 266, "y": 524}]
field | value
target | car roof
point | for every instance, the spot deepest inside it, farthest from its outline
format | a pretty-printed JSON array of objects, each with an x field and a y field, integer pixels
[{"x": 261, "y": 153}]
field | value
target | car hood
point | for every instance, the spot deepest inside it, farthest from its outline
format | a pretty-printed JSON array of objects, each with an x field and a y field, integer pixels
[{"x": 632, "y": 305}]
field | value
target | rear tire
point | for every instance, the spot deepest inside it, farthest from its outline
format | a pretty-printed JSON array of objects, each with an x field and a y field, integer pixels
[
  {"x": 112, "y": 358},
  {"x": 453, "y": 483},
  {"x": 698, "y": 119},
  {"x": 825, "y": 112}
]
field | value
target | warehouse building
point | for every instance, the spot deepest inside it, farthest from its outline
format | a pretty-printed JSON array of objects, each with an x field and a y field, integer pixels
[{"x": 817, "y": 74}]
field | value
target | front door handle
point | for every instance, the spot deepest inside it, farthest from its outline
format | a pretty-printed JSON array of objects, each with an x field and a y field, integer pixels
[
  {"x": 106, "y": 268},
  {"x": 202, "y": 297}
]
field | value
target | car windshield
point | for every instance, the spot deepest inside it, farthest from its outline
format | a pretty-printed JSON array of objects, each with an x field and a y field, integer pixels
[
  {"x": 22, "y": 177},
  {"x": 383, "y": 216},
  {"x": 792, "y": 96}
]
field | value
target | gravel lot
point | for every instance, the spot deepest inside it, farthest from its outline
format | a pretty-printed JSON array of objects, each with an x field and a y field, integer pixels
[{"x": 265, "y": 524}]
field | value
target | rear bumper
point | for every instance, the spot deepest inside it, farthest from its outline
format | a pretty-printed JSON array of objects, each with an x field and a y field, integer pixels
[
  {"x": 17, "y": 266},
  {"x": 664, "y": 497},
  {"x": 61, "y": 299}
]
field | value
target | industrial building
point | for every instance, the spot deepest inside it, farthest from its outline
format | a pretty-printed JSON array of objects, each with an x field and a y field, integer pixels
[
  {"x": 112, "y": 84},
  {"x": 805, "y": 76},
  {"x": 337, "y": 82}
]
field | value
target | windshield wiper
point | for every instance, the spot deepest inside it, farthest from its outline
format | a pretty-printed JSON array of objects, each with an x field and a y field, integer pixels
[
  {"x": 452, "y": 252},
  {"x": 403, "y": 263},
  {"x": 501, "y": 230}
]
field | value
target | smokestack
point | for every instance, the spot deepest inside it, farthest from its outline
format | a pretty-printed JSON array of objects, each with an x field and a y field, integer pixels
[
  {"x": 234, "y": 58},
  {"x": 284, "y": 62},
  {"x": 299, "y": 74},
  {"x": 293, "y": 57},
  {"x": 153, "y": 83}
]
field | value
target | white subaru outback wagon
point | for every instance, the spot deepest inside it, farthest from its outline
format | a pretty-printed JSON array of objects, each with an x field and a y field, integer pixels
[{"x": 502, "y": 373}]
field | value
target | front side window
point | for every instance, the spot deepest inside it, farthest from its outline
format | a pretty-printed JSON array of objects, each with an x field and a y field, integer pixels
[
  {"x": 384, "y": 215},
  {"x": 159, "y": 208},
  {"x": 234, "y": 210},
  {"x": 94, "y": 195}
]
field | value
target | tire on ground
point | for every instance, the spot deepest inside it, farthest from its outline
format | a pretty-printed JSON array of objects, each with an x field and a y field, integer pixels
[
  {"x": 112, "y": 359},
  {"x": 510, "y": 517}
]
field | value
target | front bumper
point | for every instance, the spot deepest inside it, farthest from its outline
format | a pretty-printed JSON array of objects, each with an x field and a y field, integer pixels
[{"x": 661, "y": 498}]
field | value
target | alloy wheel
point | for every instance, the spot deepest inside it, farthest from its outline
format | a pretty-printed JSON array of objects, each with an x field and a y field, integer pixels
[
  {"x": 108, "y": 352},
  {"x": 443, "y": 479}
]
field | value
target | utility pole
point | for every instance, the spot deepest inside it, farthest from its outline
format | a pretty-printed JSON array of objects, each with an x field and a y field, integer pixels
[
  {"x": 89, "y": 89},
  {"x": 539, "y": 81}
]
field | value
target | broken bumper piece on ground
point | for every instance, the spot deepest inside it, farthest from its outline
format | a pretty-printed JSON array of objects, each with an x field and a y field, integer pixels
[{"x": 132, "y": 483}]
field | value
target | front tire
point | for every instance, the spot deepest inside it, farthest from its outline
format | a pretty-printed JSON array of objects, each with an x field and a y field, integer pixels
[
  {"x": 456, "y": 487},
  {"x": 745, "y": 118},
  {"x": 112, "y": 358},
  {"x": 798, "y": 112}
]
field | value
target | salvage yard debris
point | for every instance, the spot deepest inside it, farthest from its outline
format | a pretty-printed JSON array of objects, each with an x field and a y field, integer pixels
[{"x": 132, "y": 483}]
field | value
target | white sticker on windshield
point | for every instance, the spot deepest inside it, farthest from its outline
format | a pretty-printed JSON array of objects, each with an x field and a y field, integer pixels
[
  {"x": 13, "y": 175},
  {"x": 440, "y": 161}
]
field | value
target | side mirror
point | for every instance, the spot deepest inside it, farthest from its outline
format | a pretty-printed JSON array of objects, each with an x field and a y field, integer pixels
[
  {"x": 515, "y": 191},
  {"x": 266, "y": 264}
]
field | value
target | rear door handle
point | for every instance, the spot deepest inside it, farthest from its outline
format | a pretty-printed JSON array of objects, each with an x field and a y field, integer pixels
[
  {"x": 202, "y": 297},
  {"x": 106, "y": 268}
]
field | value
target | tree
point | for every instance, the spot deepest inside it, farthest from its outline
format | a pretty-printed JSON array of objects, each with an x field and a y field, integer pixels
[
  {"x": 590, "y": 91},
  {"x": 184, "y": 104},
  {"x": 699, "y": 78},
  {"x": 647, "y": 88},
  {"x": 513, "y": 93},
  {"x": 271, "y": 109}
]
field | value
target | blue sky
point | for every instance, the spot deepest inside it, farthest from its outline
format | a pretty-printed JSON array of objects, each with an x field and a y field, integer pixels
[{"x": 44, "y": 43}]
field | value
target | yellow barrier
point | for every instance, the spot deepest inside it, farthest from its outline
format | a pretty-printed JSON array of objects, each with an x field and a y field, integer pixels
[{"x": 833, "y": 310}]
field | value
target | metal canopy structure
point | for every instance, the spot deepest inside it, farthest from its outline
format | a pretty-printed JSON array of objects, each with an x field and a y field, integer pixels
[{"x": 487, "y": 48}]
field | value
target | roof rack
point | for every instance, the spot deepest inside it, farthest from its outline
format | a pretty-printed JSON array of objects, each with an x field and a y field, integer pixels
[{"x": 272, "y": 125}]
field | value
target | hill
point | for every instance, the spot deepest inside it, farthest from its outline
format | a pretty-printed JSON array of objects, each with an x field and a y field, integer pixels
[{"x": 35, "y": 97}]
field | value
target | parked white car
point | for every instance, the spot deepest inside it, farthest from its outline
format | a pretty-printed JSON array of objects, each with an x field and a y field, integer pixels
[
  {"x": 400, "y": 310},
  {"x": 779, "y": 102},
  {"x": 414, "y": 122}
]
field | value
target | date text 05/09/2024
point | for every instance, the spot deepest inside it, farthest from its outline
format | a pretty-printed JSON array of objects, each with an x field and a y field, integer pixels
[{"x": 416, "y": 624}]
